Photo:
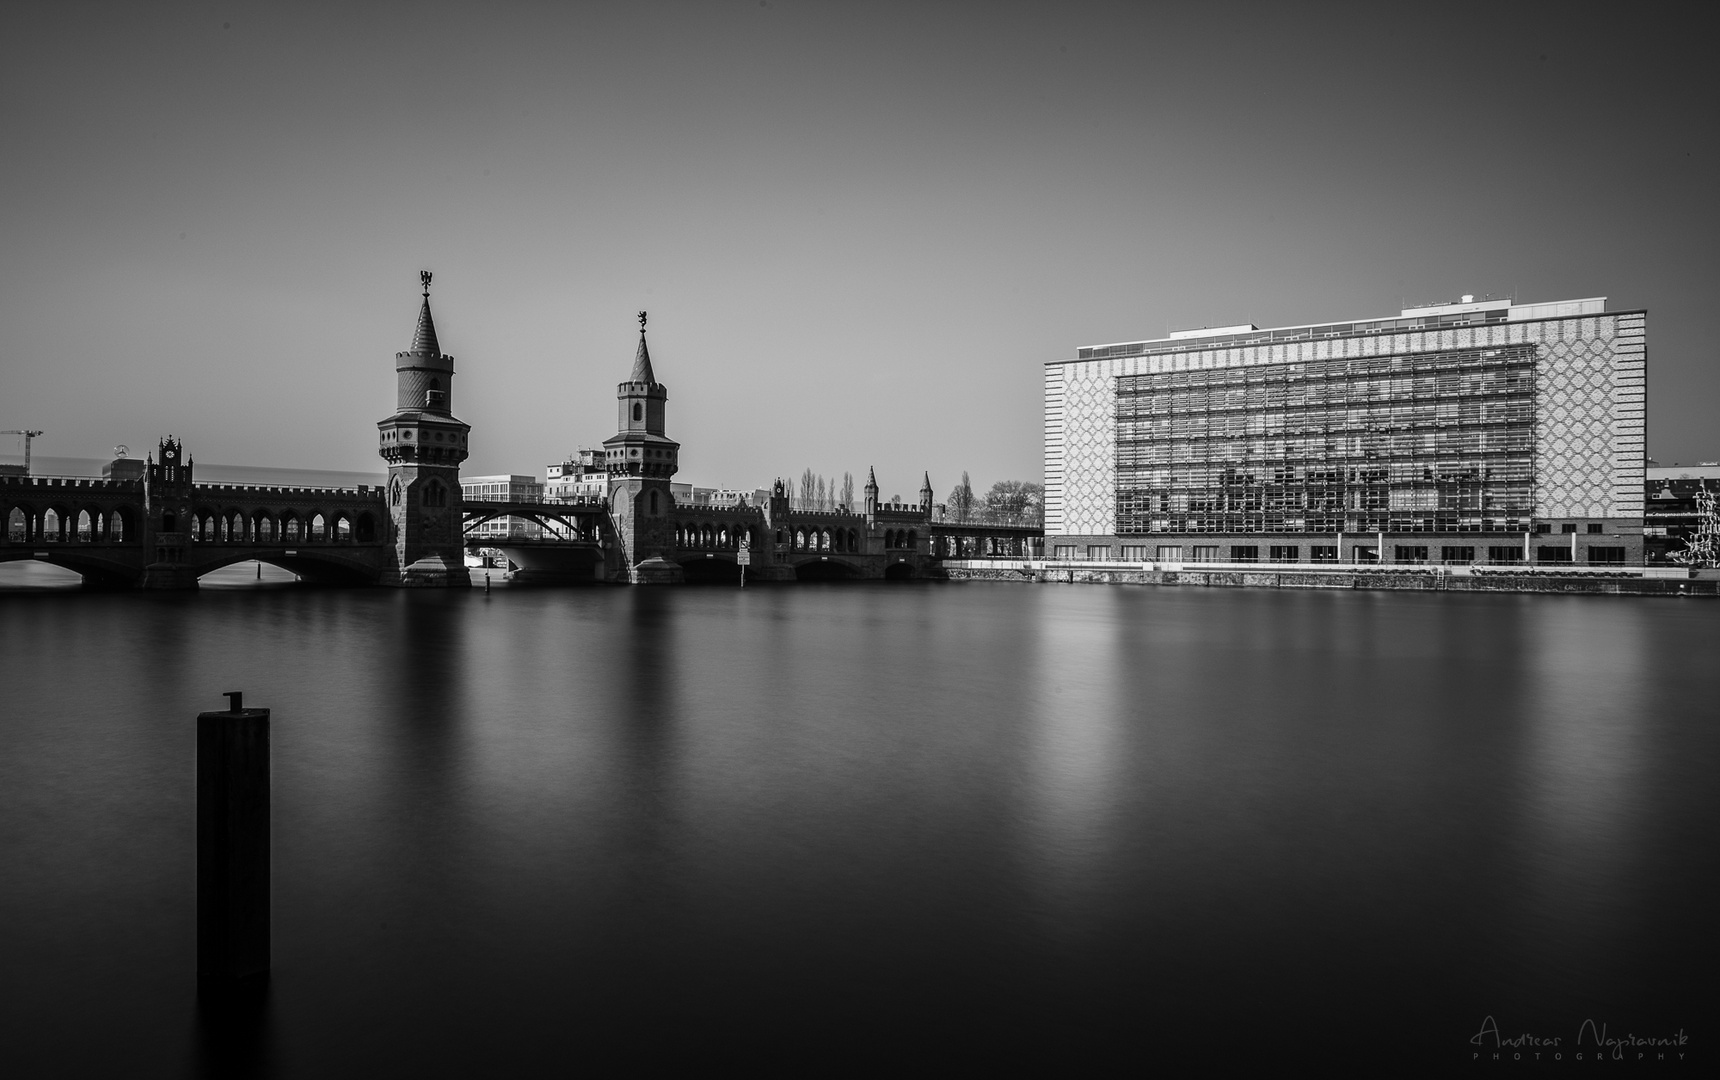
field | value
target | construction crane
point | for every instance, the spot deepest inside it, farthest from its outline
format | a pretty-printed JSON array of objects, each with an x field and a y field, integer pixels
[{"x": 28, "y": 435}]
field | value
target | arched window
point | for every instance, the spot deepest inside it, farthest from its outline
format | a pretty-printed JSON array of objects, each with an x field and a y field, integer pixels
[
  {"x": 17, "y": 529},
  {"x": 653, "y": 503},
  {"x": 85, "y": 526},
  {"x": 394, "y": 493},
  {"x": 912, "y": 539},
  {"x": 638, "y": 412}
]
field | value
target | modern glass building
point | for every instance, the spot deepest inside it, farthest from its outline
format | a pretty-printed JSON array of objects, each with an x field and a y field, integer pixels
[{"x": 1474, "y": 432}]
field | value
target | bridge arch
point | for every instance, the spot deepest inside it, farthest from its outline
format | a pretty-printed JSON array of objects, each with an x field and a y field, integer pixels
[
  {"x": 709, "y": 568},
  {"x": 325, "y": 565},
  {"x": 826, "y": 569}
]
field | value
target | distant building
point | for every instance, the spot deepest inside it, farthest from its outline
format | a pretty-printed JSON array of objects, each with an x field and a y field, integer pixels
[
  {"x": 1471, "y": 432},
  {"x": 1670, "y": 512},
  {"x": 580, "y": 477},
  {"x": 503, "y": 488},
  {"x": 719, "y": 497},
  {"x": 123, "y": 468}
]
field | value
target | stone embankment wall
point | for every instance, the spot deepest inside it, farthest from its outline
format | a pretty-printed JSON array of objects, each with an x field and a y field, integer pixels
[{"x": 1703, "y": 584}]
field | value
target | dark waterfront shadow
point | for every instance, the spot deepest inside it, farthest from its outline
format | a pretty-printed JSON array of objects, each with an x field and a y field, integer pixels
[{"x": 234, "y": 1031}]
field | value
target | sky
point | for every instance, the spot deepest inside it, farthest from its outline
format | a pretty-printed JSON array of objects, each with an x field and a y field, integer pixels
[{"x": 860, "y": 229}]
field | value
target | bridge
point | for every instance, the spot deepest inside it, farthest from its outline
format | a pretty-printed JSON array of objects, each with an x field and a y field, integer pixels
[
  {"x": 156, "y": 532},
  {"x": 161, "y": 529}
]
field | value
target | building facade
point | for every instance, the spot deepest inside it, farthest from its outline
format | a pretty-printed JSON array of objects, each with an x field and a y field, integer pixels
[
  {"x": 582, "y": 476},
  {"x": 1474, "y": 432}
]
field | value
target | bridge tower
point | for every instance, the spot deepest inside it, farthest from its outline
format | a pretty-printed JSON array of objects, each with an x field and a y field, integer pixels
[
  {"x": 871, "y": 497},
  {"x": 639, "y": 459},
  {"x": 926, "y": 496},
  {"x": 167, "y": 482},
  {"x": 424, "y": 444}
]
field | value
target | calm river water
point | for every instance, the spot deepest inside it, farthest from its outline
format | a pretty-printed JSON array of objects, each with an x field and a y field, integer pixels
[{"x": 905, "y": 825}]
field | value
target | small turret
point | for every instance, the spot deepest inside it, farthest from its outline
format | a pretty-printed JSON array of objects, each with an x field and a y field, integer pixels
[
  {"x": 926, "y": 495},
  {"x": 871, "y": 495}
]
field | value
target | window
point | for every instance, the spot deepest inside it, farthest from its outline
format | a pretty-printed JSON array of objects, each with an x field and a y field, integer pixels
[
  {"x": 1204, "y": 553},
  {"x": 1555, "y": 554},
  {"x": 1098, "y": 552},
  {"x": 1405, "y": 554},
  {"x": 1327, "y": 553},
  {"x": 653, "y": 503},
  {"x": 1134, "y": 553},
  {"x": 1285, "y": 553},
  {"x": 1457, "y": 554},
  {"x": 1594, "y": 526},
  {"x": 1606, "y": 556},
  {"x": 1509, "y": 554},
  {"x": 1543, "y": 527},
  {"x": 1244, "y": 553},
  {"x": 1568, "y": 527},
  {"x": 1362, "y": 553},
  {"x": 638, "y": 412},
  {"x": 1170, "y": 553},
  {"x": 1064, "y": 551}
]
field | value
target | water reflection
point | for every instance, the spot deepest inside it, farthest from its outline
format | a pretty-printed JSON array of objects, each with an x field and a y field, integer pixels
[{"x": 712, "y": 820}]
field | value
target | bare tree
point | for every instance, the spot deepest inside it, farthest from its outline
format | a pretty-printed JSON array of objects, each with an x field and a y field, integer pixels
[
  {"x": 806, "y": 488},
  {"x": 818, "y": 493},
  {"x": 961, "y": 500},
  {"x": 848, "y": 492},
  {"x": 1014, "y": 500}
]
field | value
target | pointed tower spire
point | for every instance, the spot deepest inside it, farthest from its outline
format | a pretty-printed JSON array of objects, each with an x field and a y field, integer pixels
[
  {"x": 642, "y": 358},
  {"x": 424, "y": 338}
]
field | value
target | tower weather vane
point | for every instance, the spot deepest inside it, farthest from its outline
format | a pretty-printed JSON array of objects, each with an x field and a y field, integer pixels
[
  {"x": 641, "y": 322},
  {"x": 424, "y": 276}
]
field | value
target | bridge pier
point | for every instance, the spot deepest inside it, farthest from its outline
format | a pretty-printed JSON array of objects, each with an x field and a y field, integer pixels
[{"x": 167, "y": 576}]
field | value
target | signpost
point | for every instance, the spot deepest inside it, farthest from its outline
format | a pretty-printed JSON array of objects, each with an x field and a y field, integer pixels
[{"x": 744, "y": 558}]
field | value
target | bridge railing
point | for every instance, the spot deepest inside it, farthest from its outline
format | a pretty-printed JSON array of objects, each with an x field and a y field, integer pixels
[
  {"x": 86, "y": 482},
  {"x": 365, "y": 490},
  {"x": 1024, "y": 520},
  {"x": 583, "y": 502}
]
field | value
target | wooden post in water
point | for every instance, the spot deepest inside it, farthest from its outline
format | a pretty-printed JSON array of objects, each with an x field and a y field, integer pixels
[{"x": 233, "y": 841}]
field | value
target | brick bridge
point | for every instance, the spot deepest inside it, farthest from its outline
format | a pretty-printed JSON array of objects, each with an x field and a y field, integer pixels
[{"x": 161, "y": 529}]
